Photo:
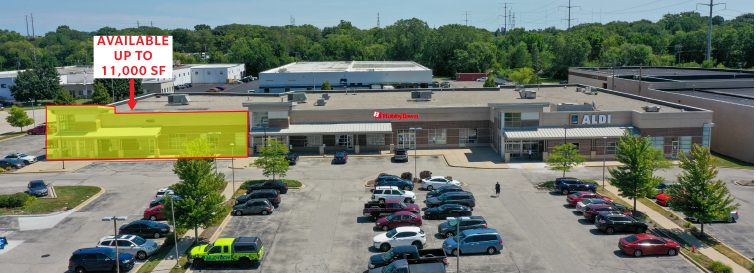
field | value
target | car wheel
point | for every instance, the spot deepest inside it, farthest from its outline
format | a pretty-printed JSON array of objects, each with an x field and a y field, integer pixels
[
  {"x": 385, "y": 228},
  {"x": 382, "y": 201},
  {"x": 406, "y": 188},
  {"x": 374, "y": 217},
  {"x": 610, "y": 230},
  {"x": 637, "y": 253},
  {"x": 430, "y": 188},
  {"x": 199, "y": 264},
  {"x": 454, "y": 252},
  {"x": 264, "y": 212},
  {"x": 413, "y": 225},
  {"x": 408, "y": 200},
  {"x": 80, "y": 270},
  {"x": 385, "y": 247},
  {"x": 491, "y": 250},
  {"x": 731, "y": 220},
  {"x": 153, "y": 218},
  {"x": 30, "y": 133},
  {"x": 672, "y": 252},
  {"x": 593, "y": 190},
  {"x": 141, "y": 255},
  {"x": 640, "y": 230},
  {"x": 449, "y": 234},
  {"x": 238, "y": 213},
  {"x": 245, "y": 263},
  {"x": 156, "y": 235},
  {"x": 419, "y": 245},
  {"x": 565, "y": 191}
]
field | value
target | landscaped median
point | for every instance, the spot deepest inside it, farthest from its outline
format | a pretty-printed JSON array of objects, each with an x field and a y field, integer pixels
[{"x": 68, "y": 197}]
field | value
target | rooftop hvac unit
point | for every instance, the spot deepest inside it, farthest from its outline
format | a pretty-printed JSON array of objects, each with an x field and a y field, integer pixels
[
  {"x": 282, "y": 70},
  {"x": 651, "y": 108},
  {"x": 320, "y": 102},
  {"x": 527, "y": 94},
  {"x": 326, "y": 96},
  {"x": 421, "y": 95},
  {"x": 298, "y": 97},
  {"x": 179, "y": 99}
]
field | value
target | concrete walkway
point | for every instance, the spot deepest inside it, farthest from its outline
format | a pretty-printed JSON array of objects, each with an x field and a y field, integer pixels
[{"x": 674, "y": 228}]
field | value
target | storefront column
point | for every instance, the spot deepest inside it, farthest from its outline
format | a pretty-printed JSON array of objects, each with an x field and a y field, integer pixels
[
  {"x": 545, "y": 156},
  {"x": 593, "y": 155},
  {"x": 357, "y": 149},
  {"x": 321, "y": 149},
  {"x": 506, "y": 157}
]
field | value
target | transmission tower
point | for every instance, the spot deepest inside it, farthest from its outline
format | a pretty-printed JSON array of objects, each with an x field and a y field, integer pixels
[
  {"x": 569, "y": 13},
  {"x": 708, "y": 43},
  {"x": 379, "y": 20},
  {"x": 291, "y": 19},
  {"x": 506, "y": 17},
  {"x": 513, "y": 20},
  {"x": 467, "y": 13}
]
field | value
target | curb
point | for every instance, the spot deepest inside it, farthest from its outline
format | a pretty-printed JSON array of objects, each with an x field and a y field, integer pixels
[
  {"x": 56, "y": 171},
  {"x": 690, "y": 260},
  {"x": 102, "y": 190},
  {"x": 738, "y": 183},
  {"x": 13, "y": 137}
]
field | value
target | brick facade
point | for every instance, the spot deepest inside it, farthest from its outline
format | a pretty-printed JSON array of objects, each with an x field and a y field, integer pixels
[
  {"x": 584, "y": 145},
  {"x": 278, "y": 123}
]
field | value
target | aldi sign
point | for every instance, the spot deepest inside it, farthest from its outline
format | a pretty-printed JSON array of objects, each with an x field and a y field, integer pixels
[{"x": 586, "y": 119}]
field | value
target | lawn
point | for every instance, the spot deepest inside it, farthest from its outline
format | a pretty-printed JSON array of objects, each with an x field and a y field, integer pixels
[
  {"x": 10, "y": 135},
  {"x": 290, "y": 183},
  {"x": 68, "y": 197},
  {"x": 729, "y": 162}
]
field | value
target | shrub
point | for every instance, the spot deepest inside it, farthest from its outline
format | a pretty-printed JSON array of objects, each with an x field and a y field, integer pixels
[
  {"x": 687, "y": 225},
  {"x": 719, "y": 267},
  {"x": 30, "y": 201},
  {"x": 591, "y": 181},
  {"x": 677, "y": 217},
  {"x": 548, "y": 184},
  {"x": 425, "y": 174},
  {"x": 4, "y": 201},
  {"x": 15, "y": 200},
  {"x": 671, "y": 215},
  {"x": 407, "y": 175},
  {"x": 693, "y": 228}
]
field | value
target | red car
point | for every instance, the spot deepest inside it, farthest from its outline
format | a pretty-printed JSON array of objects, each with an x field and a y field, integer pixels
[
  {"x": 574, "y": 198},
  {"x": 647, "y": 244},
  {"x": 591, "y": 211},
  {"x": 399, "y": 219},
  {"x": 39, "y": 130},
  {"x": 663, "y": 199},
  {"x": 154, "y": 213}
]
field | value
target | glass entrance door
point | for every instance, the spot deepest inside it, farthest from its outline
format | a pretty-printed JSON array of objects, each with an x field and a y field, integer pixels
[
  {"x": 406, "y": 139},
  {"x": 675, "y": 148},
  {"x": 346, "y": 141},
  {"x": 523, "y": 150}
]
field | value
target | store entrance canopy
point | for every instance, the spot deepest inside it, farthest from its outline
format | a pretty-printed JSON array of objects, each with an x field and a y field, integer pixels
[
  {"x": 326, "y": 129},
  {"x": 545, "y": 133}
]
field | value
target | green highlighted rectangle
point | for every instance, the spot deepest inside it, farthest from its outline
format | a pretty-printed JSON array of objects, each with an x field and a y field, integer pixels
[{"x": 97, "y": 132}]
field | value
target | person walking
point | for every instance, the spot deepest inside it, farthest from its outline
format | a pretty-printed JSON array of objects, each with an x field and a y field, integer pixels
[
  {"x": 530, "y": 154},
  {"x": 498, "y": 188}
]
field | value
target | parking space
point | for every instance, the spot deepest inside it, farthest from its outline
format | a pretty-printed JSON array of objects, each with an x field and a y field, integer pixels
[{"x": 33, "y": 145}]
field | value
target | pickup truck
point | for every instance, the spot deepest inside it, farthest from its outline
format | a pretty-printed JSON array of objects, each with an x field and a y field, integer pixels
[
  {"x": 242, "y": 250},
  {"x": 376, "y": 210},
  {"x": 409, "y": 253},
  {"x": 402, "y": 266}
]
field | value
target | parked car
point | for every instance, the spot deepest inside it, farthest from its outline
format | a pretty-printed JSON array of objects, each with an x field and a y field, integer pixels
[
  {"x": 39, "y": 130},
  {"x": 435, "y": 182},
  {"x": 663, "y": 199},
  {"x": 647, "y": 244},
  {"x": 340, "y": 157},
  {"x": 11, "y": 165},
  {"x": 445, "y": 84},
  {"x": 5, "y": 103},
  {"x": 399, "y": 219},
  {"x": 442, "y": 190},
  {"x": 393, "y": 180},
  {"x": 462, "y": 198},
  {"x": 613, "y": 223},
  {"x": 592, "y": 210},
  {"x": 293, "y": 158},
  {"x": 562, "y": 82},
  {"x": 565, "y": 185},
  {"x": 37, "y": 188},
  {"x": 131, "y": 244},
  {"x": 99, "y": 259},
  {"x": 402, "y": 266},
  {"x": 482, "y": 79},
  {"x": 401, "y": 236},
  {"x": 664, "y": 186},
  {"x": 155, "y": 213},
  {"x": 449, "y": 228},
  {"x": 411, "y": 253},
  {"x": 159, "y": 200},
  {"x": 181, "y": 86},
  {"x": 732, "y": 217},
  {"x": 145, "y": 228},
  {"x": 253, "y": 91},
  {"x": 271, "y": 195},
  {"x": 253, "y": 206},
  {"x": 236, "y": 82},
  {"x": 574, "y": 198},
  {"x": 382, "y": 193},
  {"x": 188, "y": 85},
  {"x": 281, "y": 187},
  {"x": 26, "y": 159},
  {"x": 242, "y": 250},
  {"x": 582, "y": 204},
  {"x": 221, "y": 88},
  {"x": 162, "y": 192},
  {"x": 400, "y": 155},
  {"x": 474, "y": 241},
  {"x": 213, "y": 90},
  {"x": 377, "y": 210},
  {"x": 447, "y": 210}
]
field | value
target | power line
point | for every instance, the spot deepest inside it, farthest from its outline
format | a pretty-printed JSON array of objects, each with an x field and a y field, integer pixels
[
  {"x": 569, "y": 13},
  {"x": 505, "y": 15},
  {"x": 708, "y": 43}
]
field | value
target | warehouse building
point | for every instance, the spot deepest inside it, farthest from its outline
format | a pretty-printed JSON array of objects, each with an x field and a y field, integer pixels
[
  {"x": 520, "y": 125},
  {"x": 345, "y": 75},
  {"x": 726, "y": 92},
  {"x": 217, "y": 73}
]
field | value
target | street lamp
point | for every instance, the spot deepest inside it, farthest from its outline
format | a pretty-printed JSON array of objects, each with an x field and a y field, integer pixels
[
  {"x": 603, "y": 170},
  {"x": 175, "y": 237},
  {"x": 457, "y": 234},
  {"x": 414, "y": 130},
  {"x": 233, "y": 173},
  {"x": 115, "y": 231}
]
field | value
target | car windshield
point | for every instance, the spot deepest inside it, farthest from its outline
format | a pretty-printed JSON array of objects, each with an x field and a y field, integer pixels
[
  {"x": 401, "y": 152},
  {"x": 22, "y": 155},
  {"x": 391, "y": 233},
  {"x": 389, "y": 268},
  {"x": 442, "y": 197},
  {"x": 37, "y": 184},
  {"x": 402, "y": 204},
  {"x": 139, "y": 241},
  {"x": 413, "y": 215},
  {"x": 390, "y": 217},
  {"x": 453, "y": 222},
  {"x": 111, "y": 254},
  {"x": 631, "y": 239},
  {"x": 401, "y": 192},
  {"x": 458, "y": 238},
  {"x": 388, "y": 255},
  {"x": 576, "y": 194},
  {"x": 153, "y": 224},
  {"x": 442, "y": 207}
]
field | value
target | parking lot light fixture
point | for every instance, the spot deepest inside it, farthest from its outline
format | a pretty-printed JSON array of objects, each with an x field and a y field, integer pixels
[
  {"x": 414, "y": 130},
  {"x": 603, "y": 171},
  {"x": 115, "y": 231},
  {"x": 458, "y": 243},
  {"x": 233, "y": 173}
]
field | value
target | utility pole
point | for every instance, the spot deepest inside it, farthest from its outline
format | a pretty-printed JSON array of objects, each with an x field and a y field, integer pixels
[
  {"x": 569, "y": 14},
  {"x": 137, "y": 24},
  {"x": 505, "y": 15},
  {"x": 466, "y": 14},
  {"x": 640, "y": 78},
  {"x": 379, "y": 20},
  {"x": 711, "y": 9},
  {"x": 32, "y": 17},
  {"x": 150, "y": 23},
  {"x": 27, "y": 25}
]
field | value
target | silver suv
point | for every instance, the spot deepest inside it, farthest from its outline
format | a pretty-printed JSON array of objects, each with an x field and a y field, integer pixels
[
  {"x": 132, "y": 244},
  {"x": 381, "y": 193}
]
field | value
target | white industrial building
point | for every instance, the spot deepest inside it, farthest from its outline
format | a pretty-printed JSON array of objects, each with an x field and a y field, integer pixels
[
  {"x": 217, "y": 73},
  {"x": 343, "y": 75}
]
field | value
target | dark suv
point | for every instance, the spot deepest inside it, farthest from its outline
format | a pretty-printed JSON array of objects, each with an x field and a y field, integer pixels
[
  {"x": 443, "y": 190},
  {"x": 401, "y": 155},
  {"x": 461, "y": 198},
  {"x": 393, "y": 180},
  {"x": 271, "y": 195},
  {"x": 565, "y": 185},
  {"x": 99, "y": 259},
  {"x": 281, "y": 187},
  {"x": 612, "y": 223},
  {"x": 449, "y": 229}
]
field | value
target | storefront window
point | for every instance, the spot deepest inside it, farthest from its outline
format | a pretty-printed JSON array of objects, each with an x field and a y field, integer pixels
[
  {"x": 685, "y": 144},
  {"x": 437, "y": 136},
  {"x": 259, "y": 119},
  {"x": 512, "y": 120},
  {"x": 177, "y": 141},
  {"x": 611, "y": 148},
  {"x": 706, "y": 137},
  {"x": 658, "y": 142},
  {"x": 376, "y": 139},
  {"x": 313, "y": 141},
  {"x": 468, "y": 135}
]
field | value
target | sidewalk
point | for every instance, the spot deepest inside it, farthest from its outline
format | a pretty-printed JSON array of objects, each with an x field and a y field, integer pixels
[
  {"x": 674, "y": 228},
  {"x": 53, "y": 167}
]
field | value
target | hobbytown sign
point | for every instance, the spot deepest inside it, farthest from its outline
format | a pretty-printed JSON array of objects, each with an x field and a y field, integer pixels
[{"x": 379, "y": 115}]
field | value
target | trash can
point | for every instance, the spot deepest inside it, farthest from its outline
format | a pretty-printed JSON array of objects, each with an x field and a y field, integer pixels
[{"x": 3, "y": 242}]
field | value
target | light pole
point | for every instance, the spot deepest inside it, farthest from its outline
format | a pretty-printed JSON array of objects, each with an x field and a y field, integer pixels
[
  {"x": 457, "y": 235},
  {"x": 414, "y": 130},
  {"x": 175, "y": 237},
  {"x": 115, "y": 231},
  {"x": 233, "y": 173},
  {"x": 603, "y": 170}
]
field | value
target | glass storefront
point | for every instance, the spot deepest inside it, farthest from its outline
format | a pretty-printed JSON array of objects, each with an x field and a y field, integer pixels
[{"x": 523, "y": 150}]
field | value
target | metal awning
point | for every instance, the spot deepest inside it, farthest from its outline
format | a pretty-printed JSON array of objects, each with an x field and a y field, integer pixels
[
  {"x": 326, "y": 129},
  {"x": 544, "y": 133}
]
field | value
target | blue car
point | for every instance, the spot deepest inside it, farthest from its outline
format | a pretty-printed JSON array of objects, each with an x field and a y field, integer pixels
[
  {"x": 393, "y": 180},
  {"x": 474, "y": 241},
  {"x": 565, "y": 185},
  {"x": 99, "y": 259},
  {"x": 340, "y": 157}
]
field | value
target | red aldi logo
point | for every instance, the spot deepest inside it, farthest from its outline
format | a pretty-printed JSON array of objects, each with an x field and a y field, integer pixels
[{"x": 401, "y": 116}]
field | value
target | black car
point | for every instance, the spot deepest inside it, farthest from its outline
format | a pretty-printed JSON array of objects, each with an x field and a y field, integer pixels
[
  {"x": 145, "y": 228},
  {"x": 99, "y": 259},
  {"x": 293, "y": 158},
  {"x": 37, "y": 188},
  {"x": 271, "y": 195},
  {"x": 14, "y": 165},
  {"x": 565, "y": 185},
  {"x": 443, "y": 190},
  {"x": 159, "y": 200},
  {"x": 562, "y": 82},
  {"x": 281, "y": 187},
  {"x": 448, "y": 210},
  {"x": 613, "y": 223},
  {"x": 5, "y": 103},
  {"x": 340, "y": 157},
  {"x": 449, "y": 228},
  {"x": 188, "y": 85},
  {"x": 401, "y": 155},
  {"x": 666, "y": 186},
  {"x": 461, "y": 198}
]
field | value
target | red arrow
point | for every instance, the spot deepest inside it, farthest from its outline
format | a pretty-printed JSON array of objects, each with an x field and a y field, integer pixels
[{"x": 131, "y": 101}]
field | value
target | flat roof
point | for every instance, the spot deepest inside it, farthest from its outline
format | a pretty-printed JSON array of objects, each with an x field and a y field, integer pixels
[
  {"x": 347, "y": 66},
  {"x": 215, "y": 65},
  {"x": 741, "y": 96},
  {"x": 326, "y": 128},
  {"x": 666, "y": 71},
  {"x": 528, "y": 133}
]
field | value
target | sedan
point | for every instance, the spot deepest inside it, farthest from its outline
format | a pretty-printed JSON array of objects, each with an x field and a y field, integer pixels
[
  {"x": 281, "y": 187},
  {"x": 574, "y": 198},
  {"x": 442, "y": 190},
  {"x": 447, "y": 210},
  {"x": 612, "y": 223},
  {"x": 435, "y": 182},
  {"x": 647, "y": 244},
  {"x": 399, "y": 219},
  {"x": 254, "y": 206},
  {"x": 340, "y": 157},
  {"x": 730, "y": 218},
  {"x": 145, "y": 228},
  {"x": 155, "y": 213},
  {"x": 8, "y": 165},
  {"x": 39, "y": 130},
  {"x": 221, "y": 88},
  {"x": 401, "y": 236},
  {"x": 26, "y": 159},
  {"x": 592, "y": 210},
  {"x": 292, "y": 158},
  {"x": 213, "y": 90},
  {"x": 482, "y": 79},
  {"x": 37, "y": 188},
  {"x": 582, "y": 204}
]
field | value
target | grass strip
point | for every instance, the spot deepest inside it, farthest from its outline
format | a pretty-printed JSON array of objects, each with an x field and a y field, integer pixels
[
  {"x": 290, "y": 183},
  {"x": 10, "y": 135},
  {"x": 68, "y": 197},
  {"x": 726, "y": 161}
]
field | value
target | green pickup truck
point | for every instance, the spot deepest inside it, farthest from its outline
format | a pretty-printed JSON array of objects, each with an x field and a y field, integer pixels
[{"x": 242, "y": 250}]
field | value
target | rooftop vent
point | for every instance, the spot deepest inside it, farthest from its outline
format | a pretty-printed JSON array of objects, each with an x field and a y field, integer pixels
[
  {"x": 326, "y": 96},
  {"x": 320, "y": 102},
  {"x": 179, "y": 99},
  {"x": 570, "y": 106},
  {"x": 298, "y": 97},
  {"x": 527, "y": 94},
  {"x": 519, "y": 87},
  {"x": 422, "y": 95},
  {"x": 282, "y": 70},
  {"x": 651, "y": 108}
]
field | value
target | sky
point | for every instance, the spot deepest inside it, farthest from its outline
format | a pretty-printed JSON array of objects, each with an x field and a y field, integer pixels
[{"x": 90, "y": 15}]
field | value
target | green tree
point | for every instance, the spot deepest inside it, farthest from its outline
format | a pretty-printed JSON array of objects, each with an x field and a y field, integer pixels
[
  {"x": 564, "y": 157},
  {"x": 326, "y": 86},
  {"x": 490, "y": 82},
  {"x": 698, "y": 194},
  {"x": 100, "y": 95},
  {"x": 18, "y": 118},
  {"x": 524, "y": 75},
  {"x": 272, "y": 160},
  {"x": 64, "y": 98},
  {"x": 635, "y": 177},
  {"x": 27, "y": 83},
  {"x": 120, "y": 87}
]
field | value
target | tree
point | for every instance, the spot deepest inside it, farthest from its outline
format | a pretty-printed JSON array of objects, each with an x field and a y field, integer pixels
[
  {"x": 120, "y": 87},
  {"x": 18, "y": 118},
  {"x": 564, "y": 157},
  {"x": 698, "y": 194},
  {"x": 64, "y": 98},
  {"x": 635, "y": 177},
  {"x": 524, "y": 75},
  {"x": 490, "y": 82},
  {"x": 100, "y": 95},
  {"x": 272, "y": 159},
  {"x": 201, "y": 203},
  {"x": 326, "y": 86}
]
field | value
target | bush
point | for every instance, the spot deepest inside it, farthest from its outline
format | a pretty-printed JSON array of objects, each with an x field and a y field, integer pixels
[
  {"x": 425, "y": 174},
  {"x": 548, "y": 184},
  {"x": 693, "y": 228},
  {"x": 30, "y": 201},
  {"x": 406, "y": 175},
  {"x": 591, "y": 181},
  {"x": 4, "y": 201},
  {"x": 289, "y": 182},
  {"x": 719, "y": 267},
  {"x": 687, "y": 225},
  {"x": 16, "y": 200}
]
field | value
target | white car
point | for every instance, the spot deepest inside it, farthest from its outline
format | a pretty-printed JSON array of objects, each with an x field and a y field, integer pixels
[
  {"x": 730, "y": 218},
  {"x": 482, "y": 79},
  {"x": 19, "y": 157},
  {"x": 401, "y": 236},
  {"x": 138, "y": 246},
  {"x": 381, "y": 193},
  {"x": 162, "y": 192},
  {"x": 435, "y": 182}
]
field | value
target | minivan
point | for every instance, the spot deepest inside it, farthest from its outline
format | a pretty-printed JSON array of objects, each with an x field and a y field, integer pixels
[{"x": 474, "y": 241}]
